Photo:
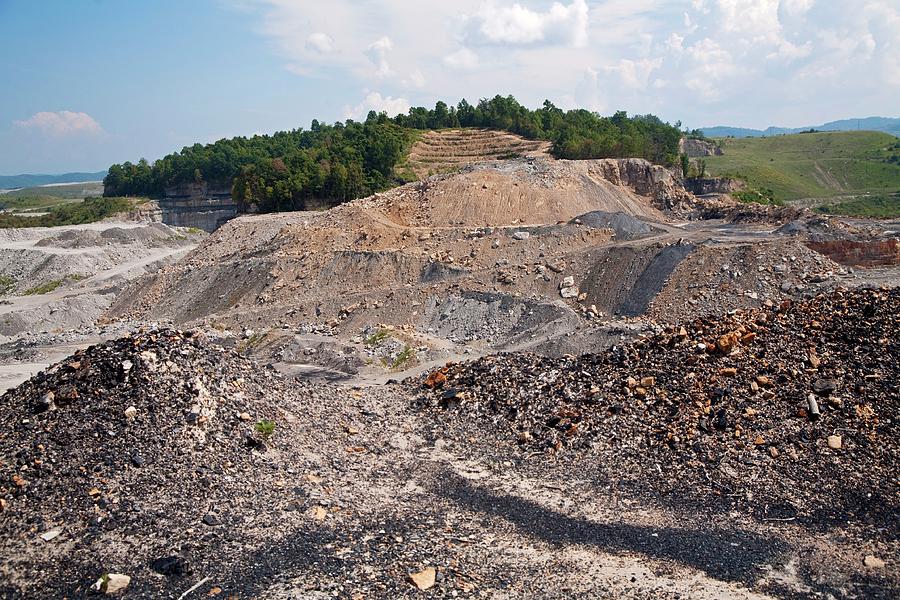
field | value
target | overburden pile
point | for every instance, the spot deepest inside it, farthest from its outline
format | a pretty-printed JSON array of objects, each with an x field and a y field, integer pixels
[
  {"x": 142, "y": 456},
  {"x": 789, "y": 411},
  {"x": 150, "y": 461}
]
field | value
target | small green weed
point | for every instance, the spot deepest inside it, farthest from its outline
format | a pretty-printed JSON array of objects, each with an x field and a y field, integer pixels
[
  {"x": 265, "y": 428},
  {"x": 377, "y": 337},
  {"x": 404, "y": 356},
  {"x": 7, "y": 283}
]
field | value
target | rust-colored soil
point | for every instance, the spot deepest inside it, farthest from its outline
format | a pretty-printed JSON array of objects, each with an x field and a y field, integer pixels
[{"x": 860, "y": 254}]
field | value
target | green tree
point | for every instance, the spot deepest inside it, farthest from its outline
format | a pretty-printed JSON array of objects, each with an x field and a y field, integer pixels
[{"x": 335, "y": 163}]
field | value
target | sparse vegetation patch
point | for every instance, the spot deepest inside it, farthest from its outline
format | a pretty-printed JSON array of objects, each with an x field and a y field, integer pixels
[
  {"x": 7, "y": 283},
  {"x": 759, "y": 196},
  {"x": 377, "y": 337},
  {"x": 74, "y": 213},
  {"x": 44, "y": 288},
  {"x": 879, "y": 206},
  {"x": 406, "y": 354}
]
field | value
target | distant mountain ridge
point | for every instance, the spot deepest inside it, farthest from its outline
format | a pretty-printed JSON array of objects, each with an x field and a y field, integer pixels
[
  {"x": 885, "y": 124},
  {"x": 9, "y": 182}
]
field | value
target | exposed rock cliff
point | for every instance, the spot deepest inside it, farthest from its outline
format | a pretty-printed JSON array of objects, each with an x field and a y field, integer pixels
[
  {"x": 204, "y": 205},
  {"x": 698, "y": 148},
  {"x": 646, "y": 179},
  {"x": 713, "y": 185}
]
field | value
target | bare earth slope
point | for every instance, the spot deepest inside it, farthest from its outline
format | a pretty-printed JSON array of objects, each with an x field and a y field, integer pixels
[
  {"x": 555, "y": 256},
  {"x": 449, "y": 149},
  {"x": 58, "y": 281},
  {"x": 426, "y": 235}
]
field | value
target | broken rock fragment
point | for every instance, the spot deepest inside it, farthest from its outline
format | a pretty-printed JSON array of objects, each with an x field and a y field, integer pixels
[
  {"x": 824, "y": 387},
  {"x": 46, "y": 402},
  {"x": 567, "y": 288},
  {"x": 873, "y": 562},
  {"x": 727, "y": 342},
  {"x": 112, "y": 583},
  {"x": 424, "y": 579},
  {"x": 170, "y": 565}
]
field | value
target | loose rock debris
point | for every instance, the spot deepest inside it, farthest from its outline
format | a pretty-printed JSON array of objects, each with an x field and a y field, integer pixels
[
  {"x": 407, "y": 491},
  {"x": 128, "y": 451},
  {"x": 718, "y": 406}
]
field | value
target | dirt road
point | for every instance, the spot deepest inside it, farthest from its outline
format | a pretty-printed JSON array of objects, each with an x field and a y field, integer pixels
[{"x": 61, "y": 279}]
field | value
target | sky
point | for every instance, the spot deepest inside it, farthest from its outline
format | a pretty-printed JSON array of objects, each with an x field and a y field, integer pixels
[{"x": 88, "y": 83}]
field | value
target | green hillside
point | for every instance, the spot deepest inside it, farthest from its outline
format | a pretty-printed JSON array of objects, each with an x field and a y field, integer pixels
[
  {"x": 70, "y": 212},
  {"x": 42, "y": 198},
  {"x": 330, "y": 164},
  {"x": 827, "y": 167},
  {"x": 8, "y": 182}
]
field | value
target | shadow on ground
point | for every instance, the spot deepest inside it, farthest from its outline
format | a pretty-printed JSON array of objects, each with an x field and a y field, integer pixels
[{"x": 736, "y": 556}]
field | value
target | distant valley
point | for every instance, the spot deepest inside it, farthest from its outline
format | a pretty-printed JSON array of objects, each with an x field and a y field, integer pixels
[{"x": 11, "y": 182}]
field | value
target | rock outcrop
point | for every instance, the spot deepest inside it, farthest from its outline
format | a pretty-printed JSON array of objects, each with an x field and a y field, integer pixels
[
  {"x": 204, "y": 205},
  {"x": 699, "y": 148},
  {"x": 713, "y": 185},
  {"x": 646, "y": 179}
]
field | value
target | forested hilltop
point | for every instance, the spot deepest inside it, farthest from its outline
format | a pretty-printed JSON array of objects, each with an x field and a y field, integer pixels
[{"x": 340, "y": 162}]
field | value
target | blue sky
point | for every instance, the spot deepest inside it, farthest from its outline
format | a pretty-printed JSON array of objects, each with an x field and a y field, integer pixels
[{"x": 91, "y": 82}]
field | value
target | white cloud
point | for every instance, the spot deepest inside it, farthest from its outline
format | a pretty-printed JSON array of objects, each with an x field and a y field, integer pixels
[
  {"x": 634, "y": 74},
  {"x": 709, "y": 65},
  {"x": 788, "y": 51},
  {"x": 462, "y": 59},
  {"x": 747, "y": 62},
  {"x": 320, "y": 42},
  {"x": 675, "y": 43},
  {"x": 758, "y": 18},
  {"x": 375, "y": 101},
  {"x": 688, "y": 22},
  {"x": 61, "y": 123},
  {"x": 415, "y": 80},
  {"x": 377, "y": 53},
  {"x": 518, "y": 25},
  {"x": 796, "y": 7}
]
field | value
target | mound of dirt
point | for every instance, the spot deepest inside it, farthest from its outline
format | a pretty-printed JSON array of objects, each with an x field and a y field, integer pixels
[
  {"x": 625, "y": 226},
  {"x": 33, "y": 258},
  {"x": 789, "y": 413},
  {"x": 532, "y": 191},
  {"x": 147, "y": 463},
  {"x": 485, "y": 228},
  {"x": 717, "y": 278},
  {"x": 133, "y": 454},
  {"x": 154, "y": 235}
]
